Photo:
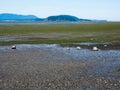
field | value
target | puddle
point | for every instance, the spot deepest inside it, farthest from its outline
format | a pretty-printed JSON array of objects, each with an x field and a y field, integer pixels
[{"x": 6, "y": 39}]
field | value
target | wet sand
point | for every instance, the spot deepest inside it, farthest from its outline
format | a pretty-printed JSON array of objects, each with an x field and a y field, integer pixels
[{"x": 51, "y": 67}]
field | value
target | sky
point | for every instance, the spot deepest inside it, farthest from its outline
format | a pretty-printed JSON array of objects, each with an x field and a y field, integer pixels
[{"x": 89, "y": 9}]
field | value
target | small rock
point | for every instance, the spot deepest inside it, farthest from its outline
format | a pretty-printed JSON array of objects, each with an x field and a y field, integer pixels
[
  {"x": 115, "y": 84},
  {"x": 119, "y": 81},
  {"x": 13, "y": 47},
  {"x": 95, "y": 48},
  {"x": 105, "y": 45},
  {"x": 78, "y": 48}
]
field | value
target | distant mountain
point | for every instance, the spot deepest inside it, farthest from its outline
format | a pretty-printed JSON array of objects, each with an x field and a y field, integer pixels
[
  {"x": 16, "y": 17},
  {"x": 8, "y": 17},
  {"x": 62, "y": 18},
  {"x": 69, "y": 18}
]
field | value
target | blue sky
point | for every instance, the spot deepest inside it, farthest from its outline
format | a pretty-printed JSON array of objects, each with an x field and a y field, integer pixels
[{"x": 91, "y": 9}]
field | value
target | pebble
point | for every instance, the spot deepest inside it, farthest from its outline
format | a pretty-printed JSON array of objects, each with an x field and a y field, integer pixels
[
  {"x": 95, "y": 48},
  {"x": 13, "y": 47},
  {"x": 78, "y": 48}
]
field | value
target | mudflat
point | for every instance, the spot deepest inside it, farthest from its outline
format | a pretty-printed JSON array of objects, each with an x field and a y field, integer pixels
[{"x": 51, "y": 67}]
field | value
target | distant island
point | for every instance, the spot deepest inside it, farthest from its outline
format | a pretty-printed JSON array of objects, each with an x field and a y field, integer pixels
[{"x": 8, "y": 17}]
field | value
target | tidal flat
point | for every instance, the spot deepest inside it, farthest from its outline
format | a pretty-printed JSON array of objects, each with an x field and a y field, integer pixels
[
  {"x": 46, "y": 57},
  {"x": 54, "y": 67}
]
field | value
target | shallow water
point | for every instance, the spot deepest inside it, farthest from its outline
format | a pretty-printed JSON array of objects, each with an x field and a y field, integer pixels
[
  {"x": 85, "y": 53},
  {"x": 105, "y": 59},
  {"x": 93, "y": 43}
]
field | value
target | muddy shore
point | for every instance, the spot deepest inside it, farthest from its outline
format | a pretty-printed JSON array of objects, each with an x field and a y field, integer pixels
[{"x": 51, "y": 67}]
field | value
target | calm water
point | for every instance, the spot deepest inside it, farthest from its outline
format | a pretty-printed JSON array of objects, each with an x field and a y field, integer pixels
[
  {"x": 107, "y": 57},
  {"x": 85, "y": 53}
]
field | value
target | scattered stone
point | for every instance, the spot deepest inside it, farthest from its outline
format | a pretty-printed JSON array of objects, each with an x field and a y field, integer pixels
[
  {"x": 119, "y": 81},
  {"x": 95, "y": 48},
  {"x": 115, "y": 84},
  {"x": 105, "y": 81},
  {"x": 13, "y": 47},
  {"x": 78, "y": 48},
  {"x": 105, "y": 45}
]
